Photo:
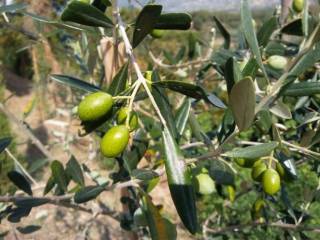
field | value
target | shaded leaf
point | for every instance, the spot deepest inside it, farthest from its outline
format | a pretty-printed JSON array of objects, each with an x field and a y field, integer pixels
[
  {"x": 31, "y": 202},
  {"x": 221, "y": 173},
  {"x": 101, "y": 4},
  {"x": 59, "y": 175},
  {"x": 88, "y": 193},
  {"x": 224, "y": 32},
  {"x": 75, "y": 82},
  {"x": 294, "y": 27},
  {"x": 144, "y": 174},
  {"x": 85, "y": 14},
  {"x": 29, "y": 229},
  {"x": 18, "y": 213},
  {"x": 253, "y": 152},
  {"x": 190, "y": 90},
  {"x": 266, "y": 31},
  {"x": 242, "y": 103},
  {"x": 175, "y": 21},
  {"x": 180, "y": 183},
  {"x": 119, "y": 82},
  {"x": 232, "y": 73},
  {"x": 145, "y": 23},
  {"x": 20, "y": 181},
  {"x": 4, "y": 143},
  {"x": 49, "y": 185},
  {"x": 74, "y": 171}
]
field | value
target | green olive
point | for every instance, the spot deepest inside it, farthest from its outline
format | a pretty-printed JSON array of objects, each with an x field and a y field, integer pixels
[
  {"x": 122, "y": 116},
  {"x": 231, "y": 193},
  {"x": 277, "y": 62},
  {"x": 94, "y": 106},
  {"x": 115, "y": 141},
  {"x": 245, "y": 162},
  {"x": 280, "y": 170},
  {"x": 204, "y": 184},
  {"x": 298, "y": 5},
  {"x": 257, "y": 171},
  {"x": 270, "y": 181},
  {"x": 257, "y": 208},
  {"x": 157, "y": 33}
]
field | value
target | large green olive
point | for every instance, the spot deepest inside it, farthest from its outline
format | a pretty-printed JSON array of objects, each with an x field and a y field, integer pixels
[
  {"x": 245, "y": 162},
  {"x": 122, "y": 117},
  {"x": 94, "y": 106},
  {"x": 257, "y": 171},
  {"x": 115, "y": 141},
  {"x": 270, "y": 181},
  {"x": 157, "y": 33},
  {"x": 204, "y": 184},
  {"x": 277, "y": 62},
  {"x": 298, "y": 5}
]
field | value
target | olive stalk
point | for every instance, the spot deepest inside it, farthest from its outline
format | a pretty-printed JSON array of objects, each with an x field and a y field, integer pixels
[{"x": 141, "y": 80}]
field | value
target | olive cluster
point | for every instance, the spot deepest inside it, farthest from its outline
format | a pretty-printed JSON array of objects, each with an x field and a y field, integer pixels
[
  {"x": 96, "y": 106},
  {"x": 268, "y": 176}
]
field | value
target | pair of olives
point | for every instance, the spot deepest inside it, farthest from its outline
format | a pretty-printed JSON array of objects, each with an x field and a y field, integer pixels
[
  {"x": 269, "y": 178},
  {"x": 96, "y": 106}
]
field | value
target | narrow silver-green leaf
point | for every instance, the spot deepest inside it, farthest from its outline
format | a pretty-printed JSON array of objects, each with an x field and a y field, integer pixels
[
  {"x": 182, "y": 116},
  {"x": 242, "y": 103},
  {"x": 75, "y": 82},
  {"x": 302, "y": 89},
  {"x": 250, "y": 34},
  {"x": 281, "y": 110},
  {"x": 119, "y": 81},
  {"x": 253, "y": 152}
]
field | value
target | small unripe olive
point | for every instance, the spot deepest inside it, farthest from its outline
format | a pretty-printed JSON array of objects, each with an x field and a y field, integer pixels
[
  {"x": 298, "y": 5},
  {"x": 115, "y": 141},
  {"x": 277, "y": 62},
  {"x": 204, "y": 184},
  {"x": 122, "y": 117},
  {"x": 257, "y": 171},
  {"x": 94, "y": 106},
  {"x": 257, "y": 208},
  {"x": 270, "y": 181},
  {"x": 157, "y": 33},
  {"x": 231, "y": 193},
  {"x": 259, "y": 204},
  {"x": 245, "y": 162}
]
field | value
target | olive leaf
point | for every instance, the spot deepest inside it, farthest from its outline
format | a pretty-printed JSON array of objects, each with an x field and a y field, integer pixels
[
  {"x": 20, "y": 181},
  {"x": 85, "y": 14},
  {"x": 75, "y": 82},
  {"x": 252, "y": 152},
  {"x": 242, "y": 103},
  {"x": 145, "y": 22},
  {"x": 4, "y": 143}
]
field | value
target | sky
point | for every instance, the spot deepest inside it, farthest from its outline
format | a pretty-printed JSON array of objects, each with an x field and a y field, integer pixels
[{"x": 218, "y": 5}]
